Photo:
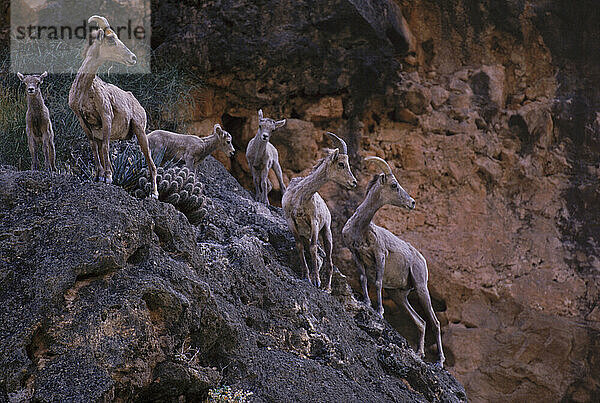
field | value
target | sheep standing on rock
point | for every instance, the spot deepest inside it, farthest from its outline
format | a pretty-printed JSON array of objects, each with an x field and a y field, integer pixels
[
  {"x": 37, "y": 122},
  {"x": 262, "y": 156},
  {"x": 308, "y": 216},
  {"x": 189, "y": 148},
  {"x": 105, "y": 111},
  {"x": 398, "y": 266}
]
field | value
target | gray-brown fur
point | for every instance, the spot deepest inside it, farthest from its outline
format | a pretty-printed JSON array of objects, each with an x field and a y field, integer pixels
[
  {"x": 396, "y": 265},
  {"x": 189, "y": 148},
  {"x": 105, "y": 111},
  {"x": 262, "y": 156},
  {"x": 37, "y": 122},
  {"x": 308, "y": 216}
]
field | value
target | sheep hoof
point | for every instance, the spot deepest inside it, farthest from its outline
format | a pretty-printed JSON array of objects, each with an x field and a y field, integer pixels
[
  {"x": 154, "y": 195},
  {"x": 108, "y": 179}
]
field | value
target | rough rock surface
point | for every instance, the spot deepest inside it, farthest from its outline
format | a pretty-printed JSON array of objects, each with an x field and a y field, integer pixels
[
  {"x": 487, "y": 111},
  {"x": 108, "y": 298}
]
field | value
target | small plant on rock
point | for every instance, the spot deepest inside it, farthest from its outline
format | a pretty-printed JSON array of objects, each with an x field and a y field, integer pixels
[{"x": 227, "y": 394}]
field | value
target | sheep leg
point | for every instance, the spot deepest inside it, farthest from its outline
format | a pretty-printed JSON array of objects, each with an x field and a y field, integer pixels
[
  {"x": 314, "y": 250},
  {"x": 51, "y": 151},
  {"x": 143, "y": 141},
  {"x": 256, "y": 180},
  {"x": 96, "y": 155},
  {"x": 379, "y": 267},
  {"x": 328, "y": 246},
  {"x": 264, "y": 184},
  {"x": 32, "y": 149},
  {"x": 277, "y": 169},
  {"x": 189, "y": 162},
  {"x": 425, "y": 300},
  {"x": 105, "y": 151},
  {"x": 362, "y": 276},
  {"x": 93, "y": 146},
  {"x": 400, "y": 297},
  {"x": 300, "y": 247},
  {"x": 46, "y": 154}
]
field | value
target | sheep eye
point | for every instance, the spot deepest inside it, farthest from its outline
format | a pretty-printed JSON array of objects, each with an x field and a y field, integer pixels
[
  {"x": 394, "y": 186},
  {"x": 341, "y": 164}
]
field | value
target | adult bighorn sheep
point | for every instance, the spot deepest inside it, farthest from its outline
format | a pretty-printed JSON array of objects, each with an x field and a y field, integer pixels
[
  {"x": 398, "y": 266},
  {"x": 262, "y": 156},
  {"x": 307, "y": 214},
  {"x": 105, "y": 111},
  {"x": 37, "y": 122},
  {"x": 189, "y": 148}
]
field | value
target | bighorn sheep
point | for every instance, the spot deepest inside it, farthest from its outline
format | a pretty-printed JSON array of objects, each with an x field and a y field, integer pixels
[
  {"x": 307, "y": 214},
  {"x": 105, "y": 111},
  {"x": 189, "y": 148},
  {"x": 262, "y": 156},
  {"x": 37, "y": 122},
  {"x": 398, "y": 266}
]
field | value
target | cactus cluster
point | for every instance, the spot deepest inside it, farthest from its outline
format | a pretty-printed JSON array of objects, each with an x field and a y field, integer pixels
[{"x": 177, "y": 186}]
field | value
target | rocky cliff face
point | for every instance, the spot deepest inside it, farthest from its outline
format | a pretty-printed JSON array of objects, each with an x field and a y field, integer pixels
[
  {"x": 108, "y": 298},
  {"x": 488, "y": 113}
]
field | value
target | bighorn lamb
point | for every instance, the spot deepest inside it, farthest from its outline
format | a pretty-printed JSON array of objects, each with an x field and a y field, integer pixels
[
  {"x": 37, "y": 122},
  {"x": 307, "y": 214},
  {"x": 398, "y": 266},
  {"x": 189, "y": 148},
  {"x": 262, "y": 156},
  {"x": 105, "y": 111}
]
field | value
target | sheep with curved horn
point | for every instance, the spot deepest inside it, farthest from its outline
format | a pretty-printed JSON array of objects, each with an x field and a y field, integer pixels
[
  {"x": 397, "y": 265},
  {"x": 308, "y": 216},
  {"x": 105, "y": 111}
]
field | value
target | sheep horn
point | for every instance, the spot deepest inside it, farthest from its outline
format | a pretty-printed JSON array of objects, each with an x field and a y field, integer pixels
[
  {"x": 382, "y": 164},
  {"x": 101, "y": 21},
  {"x": 341, "y": 144}
]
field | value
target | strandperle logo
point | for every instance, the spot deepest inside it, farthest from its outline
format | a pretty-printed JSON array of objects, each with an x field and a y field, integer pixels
[{"x": 50, "y": 35}]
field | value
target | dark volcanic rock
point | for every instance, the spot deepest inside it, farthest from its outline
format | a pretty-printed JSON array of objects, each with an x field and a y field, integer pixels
[{"x": 106, "y": 297}]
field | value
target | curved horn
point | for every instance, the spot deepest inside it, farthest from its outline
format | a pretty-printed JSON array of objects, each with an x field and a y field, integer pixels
[
  {"x": 381, "y": 163},
  {"x": 341, "y": 144},
  {"x": 101, "y": 21}
]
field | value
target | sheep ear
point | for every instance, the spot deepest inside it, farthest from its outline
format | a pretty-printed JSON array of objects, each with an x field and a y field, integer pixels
[
  {"x": 218, "y": 130},
  {"x": 43, "y": 75},
  {"x": 100, "y": 35},
  {"x": 280, "y": 123},
  {"x": 260, "y": 114},
  {"x": 21, "y": 76},
  {"x": 335, "y": 154},
  {"x": 382, "y": 178}
]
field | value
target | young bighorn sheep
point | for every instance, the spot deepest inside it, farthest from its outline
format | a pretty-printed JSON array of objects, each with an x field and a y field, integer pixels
[
  {"x": 262, "y": 156},
  {"x": 307, "y": 214},
  {"x": 105, "y": 111},
  {"x": 37, "y": 122},
  {"x": 189, "y": 148},
  {"x": 398, "y": 266}
]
